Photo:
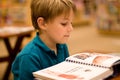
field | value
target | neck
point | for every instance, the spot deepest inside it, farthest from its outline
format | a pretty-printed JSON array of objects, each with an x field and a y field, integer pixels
[{"x": 49, "y": 43}]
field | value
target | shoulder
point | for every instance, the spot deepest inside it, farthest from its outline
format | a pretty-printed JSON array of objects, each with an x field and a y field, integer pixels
[{"x": 29, "y": 51}]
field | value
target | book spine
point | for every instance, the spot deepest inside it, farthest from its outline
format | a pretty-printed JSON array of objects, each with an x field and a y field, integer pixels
[{"x": 83, "y": 63}]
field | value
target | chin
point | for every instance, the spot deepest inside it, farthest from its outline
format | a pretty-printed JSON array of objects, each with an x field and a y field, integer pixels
[{"x": 63, "y": 42}]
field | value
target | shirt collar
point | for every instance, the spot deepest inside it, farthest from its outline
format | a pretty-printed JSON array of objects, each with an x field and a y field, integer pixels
[{"x": 42, "y": 45}]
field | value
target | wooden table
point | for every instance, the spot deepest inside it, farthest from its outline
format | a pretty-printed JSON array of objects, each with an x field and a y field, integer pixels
[
  {"x": 116, "y": 78},
  {"x": 6, "y": 33}
]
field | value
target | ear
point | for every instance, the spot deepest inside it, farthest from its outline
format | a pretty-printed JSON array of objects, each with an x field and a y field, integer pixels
[{"x": 41, "y": 22}]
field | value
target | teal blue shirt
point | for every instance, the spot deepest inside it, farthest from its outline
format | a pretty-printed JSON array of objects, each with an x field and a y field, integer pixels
[{"x": 36, "y": 56}]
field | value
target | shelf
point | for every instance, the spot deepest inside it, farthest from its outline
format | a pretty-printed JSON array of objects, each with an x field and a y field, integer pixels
[{"x": 107, "y": 32}]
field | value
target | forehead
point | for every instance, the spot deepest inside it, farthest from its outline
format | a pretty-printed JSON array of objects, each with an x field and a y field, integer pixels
[{"x": 65, "y": 16}]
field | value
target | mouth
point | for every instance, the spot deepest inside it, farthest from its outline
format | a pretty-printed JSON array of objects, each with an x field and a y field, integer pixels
[{"x": 67, "y": 35}]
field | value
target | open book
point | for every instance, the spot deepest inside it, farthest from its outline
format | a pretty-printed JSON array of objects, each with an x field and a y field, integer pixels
[{"x": 82, "y": 66}]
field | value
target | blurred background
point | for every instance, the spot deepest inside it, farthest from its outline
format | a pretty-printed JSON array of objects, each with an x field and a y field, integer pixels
[{"x": 96, "y": 26}]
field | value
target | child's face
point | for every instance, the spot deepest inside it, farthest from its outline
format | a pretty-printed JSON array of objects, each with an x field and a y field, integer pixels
[{"x": 58, "y": 30}]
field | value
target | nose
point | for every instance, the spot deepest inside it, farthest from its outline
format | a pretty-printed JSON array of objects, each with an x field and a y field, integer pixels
[{"x": 70, "y": 28}]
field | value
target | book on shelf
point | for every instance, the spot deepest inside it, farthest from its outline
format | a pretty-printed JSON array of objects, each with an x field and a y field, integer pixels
[{"x": 82, "y": 66}]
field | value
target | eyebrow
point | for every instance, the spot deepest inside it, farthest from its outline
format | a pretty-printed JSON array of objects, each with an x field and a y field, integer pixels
[{"x": 66, "y": 18}]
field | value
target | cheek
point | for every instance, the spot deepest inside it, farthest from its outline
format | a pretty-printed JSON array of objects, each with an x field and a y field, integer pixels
[
  {"x": 55, "y": 33},
  {"x": 58, "y": 33}
]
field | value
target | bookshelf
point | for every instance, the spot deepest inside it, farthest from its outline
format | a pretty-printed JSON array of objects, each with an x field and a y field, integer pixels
[
  {"x": 108, "y": 17},
  {"x": 81, "y": 19},
  {"x": 14, "y": 12}
]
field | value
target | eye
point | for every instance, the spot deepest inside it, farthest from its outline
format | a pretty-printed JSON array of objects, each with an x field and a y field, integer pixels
[{"x": 64, "y": 24}]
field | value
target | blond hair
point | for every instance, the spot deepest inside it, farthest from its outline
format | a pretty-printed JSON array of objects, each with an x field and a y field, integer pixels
[{"x": 49, "y": 9}]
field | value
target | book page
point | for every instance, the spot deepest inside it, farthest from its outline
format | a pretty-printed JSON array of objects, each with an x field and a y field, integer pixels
[
  {"x": 95, "y": 59},
  {"x": 73, "y": 71}
]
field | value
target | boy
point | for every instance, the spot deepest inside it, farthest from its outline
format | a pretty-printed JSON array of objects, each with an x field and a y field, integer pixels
[{"x": 52, "y": 19}]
